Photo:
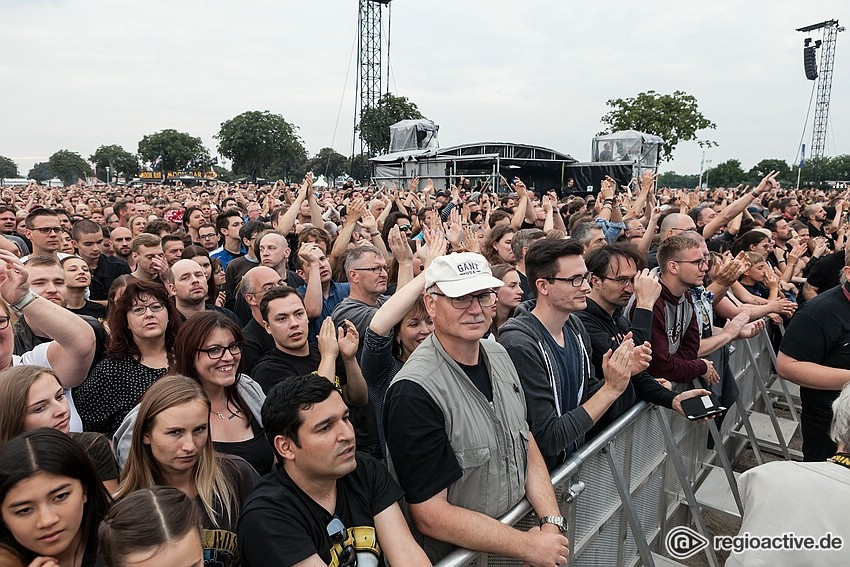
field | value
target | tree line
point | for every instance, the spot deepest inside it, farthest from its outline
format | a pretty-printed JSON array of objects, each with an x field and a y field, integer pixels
[{"x": 258, "y": 144}]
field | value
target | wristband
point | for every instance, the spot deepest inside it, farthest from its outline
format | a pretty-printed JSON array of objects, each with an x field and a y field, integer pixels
[{"x": 26, "y": 300}]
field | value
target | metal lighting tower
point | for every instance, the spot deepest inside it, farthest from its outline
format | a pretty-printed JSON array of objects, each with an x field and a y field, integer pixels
[
  {"x": 827, "y": 59},
  {"x": 369, "y": 59}
]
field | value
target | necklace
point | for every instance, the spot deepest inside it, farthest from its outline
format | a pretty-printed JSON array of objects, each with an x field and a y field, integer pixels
[{"x": 220, "y": 415}]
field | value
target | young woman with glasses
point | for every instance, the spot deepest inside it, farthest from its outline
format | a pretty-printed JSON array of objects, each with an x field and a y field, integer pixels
[
  {"x": 208, "y": 349},
  {"x": 143, "y": 324},
  {"x": 171, "y": 446}
]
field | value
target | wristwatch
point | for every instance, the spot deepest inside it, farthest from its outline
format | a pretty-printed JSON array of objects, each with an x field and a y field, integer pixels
[{"x": 558, "y": 521}]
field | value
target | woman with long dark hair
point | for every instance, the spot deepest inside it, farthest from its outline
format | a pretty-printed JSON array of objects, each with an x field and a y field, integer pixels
[
  {"x": 51, "y": 500},
  {"x": 208, "y": 349},
  {"x": 142, "y": 325}
]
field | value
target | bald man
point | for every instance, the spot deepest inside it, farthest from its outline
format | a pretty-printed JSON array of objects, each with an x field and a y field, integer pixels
[
  {"x": 255, "y": 283},
  {"x": 189, "y": 288},
  {"x": 672, "y": 224}
]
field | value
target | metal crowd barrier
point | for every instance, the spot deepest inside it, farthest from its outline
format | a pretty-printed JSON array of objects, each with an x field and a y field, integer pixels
[{"x": 627, "y": 487}]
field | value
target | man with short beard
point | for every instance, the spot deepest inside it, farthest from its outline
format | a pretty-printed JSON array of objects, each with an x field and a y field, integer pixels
[
  {"x": 188, "y": 285},
  {"x": 88, "y": 238},
  {"x": 122, "y": 245}
]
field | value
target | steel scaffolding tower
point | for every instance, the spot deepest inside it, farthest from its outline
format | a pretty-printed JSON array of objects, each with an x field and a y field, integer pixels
[
  {"x": 369, "y": 58},
  {"x": 827, "y": 59}
]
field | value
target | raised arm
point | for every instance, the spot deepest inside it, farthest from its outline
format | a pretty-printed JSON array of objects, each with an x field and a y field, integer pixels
[{"x": 71, "y": 353}]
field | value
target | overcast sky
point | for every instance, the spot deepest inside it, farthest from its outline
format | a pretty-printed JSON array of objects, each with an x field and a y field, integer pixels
[{"x": 77, "y": 74}]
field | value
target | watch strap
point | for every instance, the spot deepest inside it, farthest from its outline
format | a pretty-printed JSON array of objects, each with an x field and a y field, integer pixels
[{"x": 26, "y": 300}]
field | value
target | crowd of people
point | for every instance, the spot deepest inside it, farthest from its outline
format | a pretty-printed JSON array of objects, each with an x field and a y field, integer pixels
[{"x": 285, "y": 374}]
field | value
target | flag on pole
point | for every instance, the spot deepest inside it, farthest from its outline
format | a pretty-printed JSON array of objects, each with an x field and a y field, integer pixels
[
  {"x": 157, "y": 161},
  {"x": 802, "y": 156},
  {"x": 214, "y": 161}
]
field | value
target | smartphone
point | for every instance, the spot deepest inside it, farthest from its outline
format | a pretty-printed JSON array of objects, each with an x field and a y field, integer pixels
[{"x": 702, "y": 407}]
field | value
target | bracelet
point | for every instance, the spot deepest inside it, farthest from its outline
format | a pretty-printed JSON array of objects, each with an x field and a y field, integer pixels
[{"x": 26, "y": 300}]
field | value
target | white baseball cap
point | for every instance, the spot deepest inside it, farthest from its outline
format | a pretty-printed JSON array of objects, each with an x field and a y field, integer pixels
[{"x": 461, "y": 274}]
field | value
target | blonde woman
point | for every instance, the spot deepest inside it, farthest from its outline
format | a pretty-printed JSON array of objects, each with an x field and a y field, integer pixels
[{"x": 172, "y": 446}]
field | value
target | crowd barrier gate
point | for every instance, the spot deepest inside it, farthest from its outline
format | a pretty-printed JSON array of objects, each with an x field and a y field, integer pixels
[{"x": 627, "y": 487}]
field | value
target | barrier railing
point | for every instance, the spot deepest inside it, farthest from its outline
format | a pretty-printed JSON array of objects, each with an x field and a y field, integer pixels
[{"x": 627, "y": 487}]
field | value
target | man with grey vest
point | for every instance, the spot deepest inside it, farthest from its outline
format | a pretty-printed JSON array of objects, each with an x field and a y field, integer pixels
[{"x": 456, "y": 429}]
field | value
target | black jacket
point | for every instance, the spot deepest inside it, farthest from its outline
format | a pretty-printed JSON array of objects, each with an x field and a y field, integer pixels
[
  {"x": 606, "y": 332},
  {"x": 557, "y": 431}
]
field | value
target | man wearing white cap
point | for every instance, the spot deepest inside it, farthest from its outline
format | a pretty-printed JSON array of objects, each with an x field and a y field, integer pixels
[{"x": 456, "y": 429}]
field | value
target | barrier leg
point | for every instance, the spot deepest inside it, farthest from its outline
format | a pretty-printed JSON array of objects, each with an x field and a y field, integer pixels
[
  {"x": 757, "y": 378},
  {"x": 629, "y": 508},
  {"x": 685, "y": 482},
  {"x": 785, "y": 392}
]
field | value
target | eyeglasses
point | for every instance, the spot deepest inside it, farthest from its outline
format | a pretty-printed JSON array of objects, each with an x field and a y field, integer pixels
[
  {"x": 575, "y": 281},
  {"x": 406, "y": 227},
  {"x": 696, "y": 263},
  {"x": 347, "y": 557},
  {"x": 216, "y": 352},
  {"x": 45, "y": 230},
  {"x": 4, "y": 322},
  {"x": 622, "y": 282},
  {"x": 486, "y": 299},
  {"x": 140, "y": 310},
  {"x": 373, "y": 269},
  {"x": 206, "y": 236}
]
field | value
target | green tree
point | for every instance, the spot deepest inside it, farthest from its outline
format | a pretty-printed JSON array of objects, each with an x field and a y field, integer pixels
[
  {"x": 676, "y": 181},
  {"x": 261, "y": 143},
  {"x": 176, "y": 148},
  {"x": 676, "y": 118},
  {"x": 8, "y": 168},
  {"x": 41, "y": 172},
  {"x": 375, "y": 121},
  {"x": 120, "y": 162},
  {"x": 69, "y": 166},
  {"x": 328, "y": 162},
  {"x": 765, "y": 166},
  {"x": 359, "y": 167},
  {"x": 223, "y": 173},
  {"x": 726, "y": 174}
]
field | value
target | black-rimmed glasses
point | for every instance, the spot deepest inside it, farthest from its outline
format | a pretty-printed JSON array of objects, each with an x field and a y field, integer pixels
[
  {"x": 575, "y": 281},
  {"x": 339, "y": 535},
  {"x": 45, "y": 230},
  {"x": 216, "y": 352},
  {"x": 485, "y": 299},
  {"x": 4, "y": 322}
]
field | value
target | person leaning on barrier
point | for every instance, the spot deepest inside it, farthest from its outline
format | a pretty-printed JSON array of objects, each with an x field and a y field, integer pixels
[
  {"x": 456, "y": 429},
  {"x": 615, "y": 276},
  {"x": 822, "y": 511},
  {"x": 564, "y": 397},
  {"x": 815, "y": 353}
]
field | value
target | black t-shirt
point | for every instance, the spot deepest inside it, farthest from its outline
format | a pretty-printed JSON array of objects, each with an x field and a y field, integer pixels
[
  {"x": 820, "y": 331},
  {"x": 258, "y": 343},
  {"x": 826, "y": 273},
  {"x": 91, "y": 309},
  {"x": 256, "y": 450},
  {"x": 219, "y": 536},
  {"x": 480, "y": 377},
  {"x": 422, "y": 455},
  {"x": 281, "y": 525},
  {"x": 108, "y": 268},
  {"x": 277, "y": 365}
]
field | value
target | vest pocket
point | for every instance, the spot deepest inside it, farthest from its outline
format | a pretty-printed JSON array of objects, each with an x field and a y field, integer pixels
[{"x": 471, "y": 491}]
